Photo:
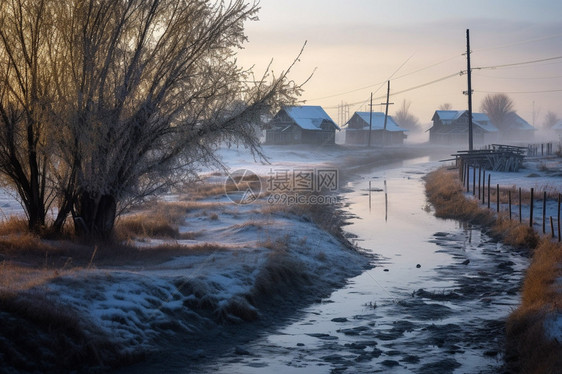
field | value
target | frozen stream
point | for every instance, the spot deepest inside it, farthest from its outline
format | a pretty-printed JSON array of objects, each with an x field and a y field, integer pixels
[{"x": 435, "y": 302}]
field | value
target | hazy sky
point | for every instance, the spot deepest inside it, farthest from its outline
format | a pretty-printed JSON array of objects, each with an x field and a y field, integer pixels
[{"x": 357, "y": 45}]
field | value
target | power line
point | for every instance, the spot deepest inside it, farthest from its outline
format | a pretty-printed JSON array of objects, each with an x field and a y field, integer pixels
[
  {"x": 518, "y": 78},
  {"x": 518, "y": 92},
  {"x": 517, "y": 63},
  {"x": 518, "y": 43},
  {"x": 421, "y": 85},
  {"x": 382, "y": 83},
  {"x": 363, "y": 102}
]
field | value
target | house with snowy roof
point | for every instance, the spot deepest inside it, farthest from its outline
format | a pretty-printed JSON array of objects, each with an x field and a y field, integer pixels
[
  {"x": 362, "y": 123},
  {"x": 305, "y": 124},
  {"x": 515, "y": 128},
  {"x": 451, "y": 127}
]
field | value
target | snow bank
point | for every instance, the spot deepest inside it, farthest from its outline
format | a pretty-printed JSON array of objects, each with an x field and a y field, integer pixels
[{"x": 265, "y": 253}]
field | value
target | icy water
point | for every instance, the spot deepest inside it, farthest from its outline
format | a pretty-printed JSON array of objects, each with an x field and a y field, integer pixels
[{"x": 435, "y": 302}]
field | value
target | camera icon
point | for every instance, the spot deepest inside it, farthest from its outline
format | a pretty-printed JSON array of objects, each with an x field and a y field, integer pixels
[{"x": 242, "y": 186}]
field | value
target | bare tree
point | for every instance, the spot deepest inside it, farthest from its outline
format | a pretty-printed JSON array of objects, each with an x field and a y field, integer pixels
[
  {"x": 142, "y": 91},
  {"x": 405, "y": 119},
  {"x": 499, "y": 108},
  {"x": 550, "y": 120},
  {"x": 25, "y": 105},
  {"x": 445, "y": 106}
]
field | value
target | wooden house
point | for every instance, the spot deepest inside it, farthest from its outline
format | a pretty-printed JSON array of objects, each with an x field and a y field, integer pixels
[
  {"x": 516, "y": 128},
  {"x": 363, "y": 123},
  {"x": 451, "y": 127},
  {"x": 301, "y": 125}
]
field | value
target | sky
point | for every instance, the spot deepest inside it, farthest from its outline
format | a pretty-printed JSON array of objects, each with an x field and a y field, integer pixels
[{"x": 354, "y": 47}]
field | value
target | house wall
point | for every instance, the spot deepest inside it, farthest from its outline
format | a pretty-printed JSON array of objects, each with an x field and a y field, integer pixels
[
  {"x": 361, "y": 137},
  {"x": 292, "y": 135},
  {"x": 458, "y": 134},
  {"x": 296, "y": 135},
  {"x": 356, "y": 123},
  {"x": 320, "y": 137}
]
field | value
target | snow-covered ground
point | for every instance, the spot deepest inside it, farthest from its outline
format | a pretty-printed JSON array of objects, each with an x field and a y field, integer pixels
[
  {"x": 134, "y": 304},
  {"x": 254, "y": 251}
]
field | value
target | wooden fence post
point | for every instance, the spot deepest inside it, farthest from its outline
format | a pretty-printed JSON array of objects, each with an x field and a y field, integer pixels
[
  {"x": 559, "y": 195},
  {"x": 544, "y": 213},
  {"x": 479, "y": 175},
  {"x": 509, "y": 202},
  {"x": 484, "y": 186},
  {"x": 520, "y": 207},
  {"x": 497, "y": 198},
  {"x": 531, "y": 208},
  {"x": 467, "y": 177},
  {"x": 474, "y": 181},
  {"x": 489, "y": 175}
]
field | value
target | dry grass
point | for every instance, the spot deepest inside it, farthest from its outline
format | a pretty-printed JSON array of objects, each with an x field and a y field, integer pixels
[
  {"x": 446, "y": 194},
  {"x": 551, "y": 194},
  {"x": 514, "y": 233},
  {"x": 160, "y": 220},
  {"x": 280, "y": 244},
  {"x": 26, "y": 243},
  {"x": 528, "y": 349},
  {"x": 280, "y": 276},
  {"x": 541, "y": 287},
  {"x": 13, "y": 224},
  {"x": 16, "y": 278},
  {"x": 203, "y": 189},
  {"x": 41, "y": 335}
]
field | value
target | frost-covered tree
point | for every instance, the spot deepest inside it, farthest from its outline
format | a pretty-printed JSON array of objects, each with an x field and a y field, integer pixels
[
  {"x": 499, "y": 108},
  {"x": 139, "y": 92},
  {"x": 445, "y": 106},
  {"x": 405, "y": 119},
  {"x": 26, "y": 100}
]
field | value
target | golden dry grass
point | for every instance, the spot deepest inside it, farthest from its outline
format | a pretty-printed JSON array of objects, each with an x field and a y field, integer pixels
[
  {"x": 514, "y": 233},
  {"x": 541, "y": 287},
  {"x": 160, "y": 220},
  {"x": 445, "y": 192},
  {"x": 13, "y": 224}
]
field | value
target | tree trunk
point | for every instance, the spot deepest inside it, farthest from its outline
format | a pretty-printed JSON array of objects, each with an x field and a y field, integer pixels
[{"x": 95, "y": 216}]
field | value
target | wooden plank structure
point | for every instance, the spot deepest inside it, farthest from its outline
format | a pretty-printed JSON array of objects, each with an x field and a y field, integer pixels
[{"x": 496, "y": 157}]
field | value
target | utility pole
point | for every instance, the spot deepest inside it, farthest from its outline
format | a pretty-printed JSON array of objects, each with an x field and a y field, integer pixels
[
  {"x": 469, "y": 92},
  {"x": 370, "y": 119},
  {"x": 386, "y": 111},
  {"x": 343, "y": 113}
]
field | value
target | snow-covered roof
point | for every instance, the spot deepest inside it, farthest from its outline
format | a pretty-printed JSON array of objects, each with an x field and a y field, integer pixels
[
  {"x": 309, "y": 117},
  {"x": 519, "y": 123},
  {"x": 483, "y": 121},
  {"x": 448, "y": 115},
  {"x": 479, "y": 119},
  {"x": 378, "y": 121}
]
